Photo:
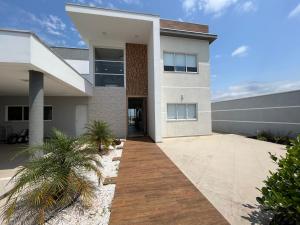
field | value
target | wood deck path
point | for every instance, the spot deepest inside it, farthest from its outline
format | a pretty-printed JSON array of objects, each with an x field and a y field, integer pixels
[{"x": 152, "y": 190}]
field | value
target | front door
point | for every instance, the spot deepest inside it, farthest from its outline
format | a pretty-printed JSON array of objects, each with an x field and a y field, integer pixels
[
  {"x": 80, "y": 119},
  {"x": 137, "y": 117}
]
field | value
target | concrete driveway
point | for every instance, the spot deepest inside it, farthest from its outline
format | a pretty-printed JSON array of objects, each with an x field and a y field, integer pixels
[{"x": 226, "y": 168}]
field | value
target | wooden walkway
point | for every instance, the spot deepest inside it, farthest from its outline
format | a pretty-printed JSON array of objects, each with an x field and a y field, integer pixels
[{"x": 152, "y": 190}]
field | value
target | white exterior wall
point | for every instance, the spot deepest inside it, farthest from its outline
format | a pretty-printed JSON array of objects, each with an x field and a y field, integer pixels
[
  {"x": 108, "y": 103},
  {"x": 195, "y": 88},
  {"x": 154, "y": 84}
]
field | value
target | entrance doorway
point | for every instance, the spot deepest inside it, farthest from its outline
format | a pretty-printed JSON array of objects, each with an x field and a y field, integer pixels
[{"x": 137, "y": 117}]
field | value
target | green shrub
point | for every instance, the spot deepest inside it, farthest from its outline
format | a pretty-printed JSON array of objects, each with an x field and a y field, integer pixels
[
  {"x": 49, "y": 183},
  {"x": 281, "y": 194},
  {"x": 275, "y": 138},
  {"x": 99, "y": 134}
]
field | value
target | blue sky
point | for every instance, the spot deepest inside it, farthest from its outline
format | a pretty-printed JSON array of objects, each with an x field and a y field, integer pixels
[{"x": 257, "y": 52}]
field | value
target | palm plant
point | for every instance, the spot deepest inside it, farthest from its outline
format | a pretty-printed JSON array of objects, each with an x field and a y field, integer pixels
[
  {"x": 49, "y": 183},
  {"x": 99, "y": 134}
]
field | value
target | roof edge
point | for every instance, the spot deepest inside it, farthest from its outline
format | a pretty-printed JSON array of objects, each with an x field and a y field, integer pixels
[
  {"x": 108, "y": 9},
  {"x": 42, "y": 42},
  {"x": 188, "y": 34}
]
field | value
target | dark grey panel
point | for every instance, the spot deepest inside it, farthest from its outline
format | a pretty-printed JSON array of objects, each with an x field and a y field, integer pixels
[
  {"x": 277, "y": 113},
  {"x": 272, "y": 100},
  {"x": 72, "y": 53}
]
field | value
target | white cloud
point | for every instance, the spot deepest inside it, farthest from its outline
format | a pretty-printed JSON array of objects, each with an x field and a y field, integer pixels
[
  {"x": 247, "y": 6},
  {"x": 81, "y": 43},
  {"x": 295, "y": 12},
  {"x": 214, "y": 7},
  {"x": 240, "y": 51},
  {"x": 189, "y": 5},
  {"x": 53, "y": 24},
  {"x": 131, "y": 1},
  {"x": 255, "y": 88}
]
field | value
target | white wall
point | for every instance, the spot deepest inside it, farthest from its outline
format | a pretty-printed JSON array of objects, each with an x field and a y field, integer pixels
[
  {"x": 194, "y": 88},
  {"x": 14, "y": 47},
  {"x": 154, "y": 83}
]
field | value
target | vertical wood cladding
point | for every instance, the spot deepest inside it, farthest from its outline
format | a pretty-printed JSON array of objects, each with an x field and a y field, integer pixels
[{"x": 136, "y": 70}]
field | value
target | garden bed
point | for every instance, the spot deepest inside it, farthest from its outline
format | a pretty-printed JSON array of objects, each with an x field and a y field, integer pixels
[{"x": 99, "y": 211}]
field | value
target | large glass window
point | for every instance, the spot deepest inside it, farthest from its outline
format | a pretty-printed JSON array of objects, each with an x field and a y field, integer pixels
[
  {"x": 179, "y": 62},
  {"x": 21, "y": 113},
  {"x": 109, "y": 67},
  {"x": 169, "y": 62},
  {"x": 181, "y": 111}
]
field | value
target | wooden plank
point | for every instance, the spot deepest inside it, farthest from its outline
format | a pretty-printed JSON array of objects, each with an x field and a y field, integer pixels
[{"x": 152, "y": 190}]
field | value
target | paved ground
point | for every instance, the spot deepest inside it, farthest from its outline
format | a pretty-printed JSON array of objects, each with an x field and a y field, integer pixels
[
  {"x": 151, "y": 190},
  {"x": 9, "y": 164},
  {"x": 226, "y": 168}
]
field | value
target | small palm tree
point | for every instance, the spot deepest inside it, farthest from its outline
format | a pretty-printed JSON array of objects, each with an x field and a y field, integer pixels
[
  {"x": 99, "y": 134},
  {"x": 49, "y": 183}
]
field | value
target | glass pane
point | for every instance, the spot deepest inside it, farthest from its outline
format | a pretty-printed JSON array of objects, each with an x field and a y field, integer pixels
[
  {"x": 191, "y": 111},
  {"x": 26, "y": 113},
  {"x": 181, "y": 112},
  {"x": 180, "y": 62},
  {"x": 14, "y": 113},
  {"x": 48, "y": 113},
  {"x": 109, "y": 67},
  {"x": 171, "y": 111},
  {"x": 191, "y": 63},
  {"x": 109, "y": 54},
  {"x": 109, "y": 80},
  {"x": 169, "y": 62}
]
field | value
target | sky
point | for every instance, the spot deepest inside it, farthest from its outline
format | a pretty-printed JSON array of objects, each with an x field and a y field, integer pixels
[{"x": 257, "y": 50}]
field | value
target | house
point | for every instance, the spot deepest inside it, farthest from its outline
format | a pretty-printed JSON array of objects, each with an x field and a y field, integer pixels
[{"x": 142, "y": 74}]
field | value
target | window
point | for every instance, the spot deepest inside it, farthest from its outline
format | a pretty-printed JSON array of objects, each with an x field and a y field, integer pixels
[
  {"x": 109, "y": 67},
  {"x": 178, "y": 62},
  {"x": 181, "y": 111},
  {"x": 21, "y": 113}
]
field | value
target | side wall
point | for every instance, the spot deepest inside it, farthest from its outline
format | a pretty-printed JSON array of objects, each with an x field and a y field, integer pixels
[
  {"x": 277, "y": 113},
  {"x": 186, "y": 88},
  {"x": 63, "y": 116}
]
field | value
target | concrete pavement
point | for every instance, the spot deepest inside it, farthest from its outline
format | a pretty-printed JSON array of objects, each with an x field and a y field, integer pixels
[{"x": 226, "y": 168}]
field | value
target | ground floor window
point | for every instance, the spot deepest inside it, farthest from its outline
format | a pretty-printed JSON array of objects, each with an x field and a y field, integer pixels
[
  {"x": 181, "y": 111},
  {"x": 21, "y": 113}
]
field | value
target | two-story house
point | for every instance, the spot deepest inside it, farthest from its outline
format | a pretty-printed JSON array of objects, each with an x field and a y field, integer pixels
[{"x": 141, "y": 74}]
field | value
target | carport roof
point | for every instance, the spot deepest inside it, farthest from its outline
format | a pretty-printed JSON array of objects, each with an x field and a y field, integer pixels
[{"x": 21, "y": 51}]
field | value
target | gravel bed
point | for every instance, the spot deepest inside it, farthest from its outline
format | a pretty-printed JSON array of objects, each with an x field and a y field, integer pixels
[{"x": 99, "y": 212}]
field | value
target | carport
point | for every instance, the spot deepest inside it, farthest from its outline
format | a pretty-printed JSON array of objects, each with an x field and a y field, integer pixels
[{"x": 29, "y": 69}]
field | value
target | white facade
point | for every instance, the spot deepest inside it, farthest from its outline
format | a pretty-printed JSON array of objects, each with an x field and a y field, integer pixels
[{"x": 184, "y": 87}]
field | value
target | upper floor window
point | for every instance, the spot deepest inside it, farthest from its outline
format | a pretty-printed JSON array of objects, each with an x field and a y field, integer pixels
[
  {"x": 179, "y": 62},
  {"x": 109, "y": 67}
]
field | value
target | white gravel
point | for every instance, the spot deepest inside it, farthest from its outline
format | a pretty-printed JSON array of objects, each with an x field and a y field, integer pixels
[{"x": 99, "y": 212}]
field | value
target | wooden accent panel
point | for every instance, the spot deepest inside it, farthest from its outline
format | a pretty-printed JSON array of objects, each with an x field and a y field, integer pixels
[
  {"x": 151, "y": 190},
  {"x": 176, "y": 25},
  {"x": 136, "y": 70}
]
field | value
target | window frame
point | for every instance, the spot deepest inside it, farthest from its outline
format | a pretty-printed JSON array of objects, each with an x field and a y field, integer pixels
[
  {"x": 24, "y": 106},
  {"x": 174, "y": 59},
  {"x": 186, "y": 112},
  {"x": 103, "y": 60}
]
